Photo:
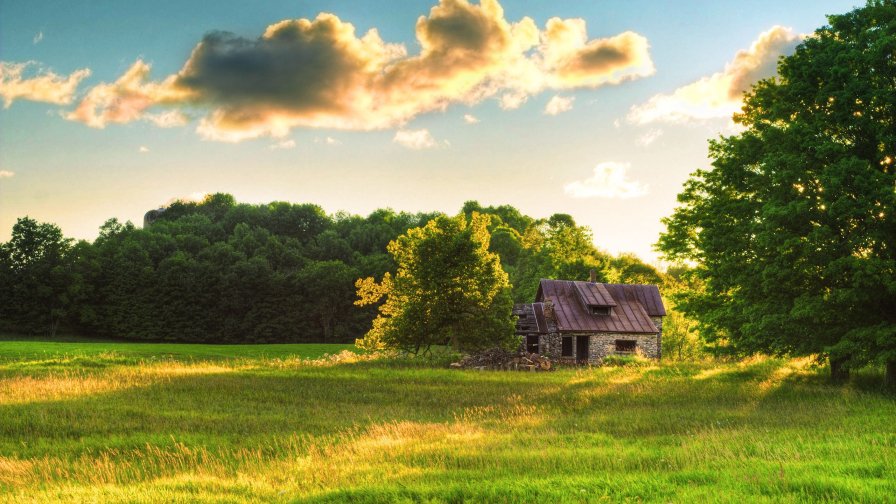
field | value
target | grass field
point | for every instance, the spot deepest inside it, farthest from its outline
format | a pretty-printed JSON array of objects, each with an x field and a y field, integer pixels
[
  {"x": 161, "y": 423},
  {"x": 31, "y": 350}
]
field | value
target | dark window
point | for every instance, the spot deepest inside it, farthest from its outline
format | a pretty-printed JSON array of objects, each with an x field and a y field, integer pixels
[
  {"x": 600, "y": 310},
  {"x": 523, "y": 315},
  {"x": 532, "y": 344},
  {"x": 566, "y": 347},
  {"x": 625, "y": 345}
]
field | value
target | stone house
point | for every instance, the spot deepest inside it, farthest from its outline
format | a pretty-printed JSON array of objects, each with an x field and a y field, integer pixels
[{"x": 584, "y": 322}]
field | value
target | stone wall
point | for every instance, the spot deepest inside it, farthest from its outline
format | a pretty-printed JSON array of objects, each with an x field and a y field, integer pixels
[
  {"x": 601, "y": 345},
  {"x": 604, "y": 344},
  {"x": 658, "y": 322},
  {"x": 549, "y": 345}
]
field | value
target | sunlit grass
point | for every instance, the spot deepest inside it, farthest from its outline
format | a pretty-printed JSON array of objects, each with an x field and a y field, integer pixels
[{"x": 380, "y": 429}]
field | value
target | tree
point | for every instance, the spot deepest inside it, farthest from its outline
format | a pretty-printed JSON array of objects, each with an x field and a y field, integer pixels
[
  {"x": 448, "y": 288},
  {"x": 794, "y": 230},
  {"x": 37, "y": 281},
  {"x": 556, "y": 248},
  {"x": 328, "y": 288}
]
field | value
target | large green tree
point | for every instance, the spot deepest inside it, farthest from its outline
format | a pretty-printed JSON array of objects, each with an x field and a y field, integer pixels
[
  {"x": 448, "y": 288},
  {"x": 37, "y": 280},
  {"x": 794, "y": 229}
]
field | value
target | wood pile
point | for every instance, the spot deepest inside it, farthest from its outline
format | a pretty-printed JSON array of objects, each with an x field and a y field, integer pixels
[{"x": 501, "y": 360}]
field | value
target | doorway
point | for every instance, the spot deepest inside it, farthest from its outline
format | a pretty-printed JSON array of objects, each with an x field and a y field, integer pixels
[{"x": 582, "y": 349}]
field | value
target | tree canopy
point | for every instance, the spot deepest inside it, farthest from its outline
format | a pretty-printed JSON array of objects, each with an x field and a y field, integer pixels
[
  {"x": 37, "y": 280},
  {"x": 448, "y": 288},
  {"x": 223, "y": 271},
  {"x": 793, "y": 231}
]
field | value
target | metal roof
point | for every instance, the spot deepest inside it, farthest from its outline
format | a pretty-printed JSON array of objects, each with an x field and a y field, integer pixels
[
  {"x": 593, "y": 294},
  {"x": 632, "y": 307}
]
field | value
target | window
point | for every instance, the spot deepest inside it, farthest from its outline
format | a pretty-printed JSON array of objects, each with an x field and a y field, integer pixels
[
  {"x": 532, "y": 344},
  {"x": 626, "y": 346},
  {"x": 600, "y": 310},
  {"x": 523, "y": 316},
  {"x": 566, "y": 347}
]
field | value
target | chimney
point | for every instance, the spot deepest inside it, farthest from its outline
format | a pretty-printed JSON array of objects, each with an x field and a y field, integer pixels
[{"x": 592, "y": 276}]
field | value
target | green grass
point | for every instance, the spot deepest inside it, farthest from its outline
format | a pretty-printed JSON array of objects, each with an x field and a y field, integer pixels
[
  {"x": 195, "y": 426},
  {"x": 29, "y": 349}
]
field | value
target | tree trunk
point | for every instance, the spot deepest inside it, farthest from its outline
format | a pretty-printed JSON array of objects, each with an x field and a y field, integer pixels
[
  {"x": 839, "y": 373},
  {"x": 890, "y": 375}
]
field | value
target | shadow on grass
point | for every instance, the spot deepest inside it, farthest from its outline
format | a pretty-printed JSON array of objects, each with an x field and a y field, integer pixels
[{"x": 641, "y": 424}]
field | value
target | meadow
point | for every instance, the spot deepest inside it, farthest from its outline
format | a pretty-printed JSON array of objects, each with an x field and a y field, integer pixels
[{"x": 133, "y": 422}]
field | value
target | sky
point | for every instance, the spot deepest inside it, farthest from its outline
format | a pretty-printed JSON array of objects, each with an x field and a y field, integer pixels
[{"x": 599, "y": 110}]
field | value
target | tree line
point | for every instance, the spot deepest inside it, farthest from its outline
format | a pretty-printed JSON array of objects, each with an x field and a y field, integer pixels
[{"x": 222, "y": 271}]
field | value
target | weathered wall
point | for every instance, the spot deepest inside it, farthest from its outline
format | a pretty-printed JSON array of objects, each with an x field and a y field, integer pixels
[
  {"x": 601, "y": 345},
  {"x": 604, "y": 344},
  {"x": 658, "y": 322}
]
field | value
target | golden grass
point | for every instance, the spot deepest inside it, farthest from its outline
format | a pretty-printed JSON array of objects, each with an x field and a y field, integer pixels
[
  {"x": 66, "y": 384},
  {"x": 764, "y": 427}
]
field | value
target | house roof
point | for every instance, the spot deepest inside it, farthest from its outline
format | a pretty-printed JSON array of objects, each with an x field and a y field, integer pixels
[
  {"x": 631, "y": 306},
  {"x": 530, "y": 318}
]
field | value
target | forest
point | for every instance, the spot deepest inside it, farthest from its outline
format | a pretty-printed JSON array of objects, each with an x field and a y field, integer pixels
[{"x": 219, "y": 271}]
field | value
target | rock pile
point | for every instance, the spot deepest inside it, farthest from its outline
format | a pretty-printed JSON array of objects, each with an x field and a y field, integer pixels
[{"x": 502, "y": 360}]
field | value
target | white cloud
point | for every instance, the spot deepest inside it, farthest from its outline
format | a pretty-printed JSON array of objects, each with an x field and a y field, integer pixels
[
  {"x": 559, "y": 104},
  {"x": 283, "y": 144},
  {"x": 126, "y": 99},
  {"x": 38, "y": 38},
  {"x": 43, "y": 86},
  {"x": 513, "y": 100},
  {"x": 470, "y": 119},
  {"x": 143, "y": 149},
  {"x": 327, "y": 140},
  {"x": 649, "y": 137},
  {"x": 609, "y": 181},
  {"x": 415, "y": 139},
  {"x": 168, "y": 119},
  {"x": 720, "y": 95},
  {"x": 7, "y": 174}
]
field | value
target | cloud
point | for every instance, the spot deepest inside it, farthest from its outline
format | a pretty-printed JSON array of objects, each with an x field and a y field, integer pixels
[
  {"x": 513, "y": 100},
  {"x": 574, "y": 61},
  {"x": 320, "y": 74},
  {"x": 169, "y": 119},
  {"x": 649, "y": 137},
  {"x": 143, "y": 149},
  {"x": 608, "y": 181},
  {"x": 7, "y": 174},
  {"x": 37, "y": 38},
  {"x": 720, "y": 94},
  {"x": 470, "y": 119},
  {"x": 559, "y": 104},
  {"x": 44, "y": 86},
  {"x": 415, "y": 139},
  {"x": 126, "y": 99},
  {"x": 283, "y": 144}
]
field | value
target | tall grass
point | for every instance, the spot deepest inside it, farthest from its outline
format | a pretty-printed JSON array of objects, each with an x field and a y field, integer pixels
[{"x": 366, "y": 429}]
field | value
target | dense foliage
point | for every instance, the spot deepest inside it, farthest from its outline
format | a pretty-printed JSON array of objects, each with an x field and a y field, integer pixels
[
  {"x": 220, "y": 271},
  {"x": 448, "y": 289},
  {"x": 794, "y": 230},
  {"x": 37, "y": 281}
]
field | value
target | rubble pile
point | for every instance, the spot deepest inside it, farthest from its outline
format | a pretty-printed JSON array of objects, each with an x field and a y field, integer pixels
[{"x": 501, "y": 360}]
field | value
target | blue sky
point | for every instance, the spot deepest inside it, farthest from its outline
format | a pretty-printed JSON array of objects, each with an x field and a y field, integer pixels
[{"x": 605, "y": 127}]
